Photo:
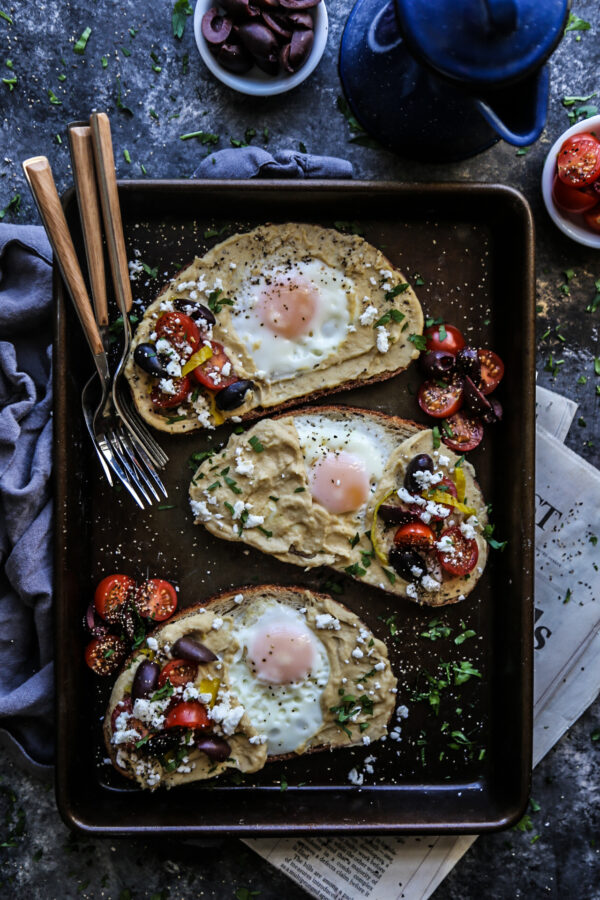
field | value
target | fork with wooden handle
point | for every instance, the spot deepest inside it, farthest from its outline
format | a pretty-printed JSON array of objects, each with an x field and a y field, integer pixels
[{"x": 100, "y": 420}]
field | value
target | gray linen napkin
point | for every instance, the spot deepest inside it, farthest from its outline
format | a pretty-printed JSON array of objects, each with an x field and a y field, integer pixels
[
  {"x": 253, "y": 162},
  {"x": 26, "y": 674}
]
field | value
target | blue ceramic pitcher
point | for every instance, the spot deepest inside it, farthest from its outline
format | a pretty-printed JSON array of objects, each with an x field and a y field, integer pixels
[{"x": 444, "y": 79}]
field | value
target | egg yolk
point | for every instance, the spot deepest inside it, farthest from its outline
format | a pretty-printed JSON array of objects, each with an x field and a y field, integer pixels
[
  {"x": 281, "y": 653},
  {"x": 339, "y": 482},
  {"x": 288, "y": 307}
]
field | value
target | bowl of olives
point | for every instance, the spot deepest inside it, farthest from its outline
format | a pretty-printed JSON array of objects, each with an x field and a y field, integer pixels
[{"x": 261, "y": 47}]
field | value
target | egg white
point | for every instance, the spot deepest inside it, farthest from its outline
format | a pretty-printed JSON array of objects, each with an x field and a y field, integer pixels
[
  {"x": 287, "y": 714},
  {"x": 277, "y": 357}
]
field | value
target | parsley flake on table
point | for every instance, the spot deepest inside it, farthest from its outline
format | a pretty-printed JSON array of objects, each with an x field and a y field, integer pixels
[
  {"x": 10, "y": 82},
  {"x": 53, "y": 98},
  {"x": 119, "y": 100},
  {"x": 181, "y": 10},
  {"x": 13, "y": 205},
  {"x": 80, "y": 44},
  {"x": 6, "y": 17},
  {"x": 126, "y": 156},
  {"x": 205, "y": 137},
  {"x": 575, "y": 23}
]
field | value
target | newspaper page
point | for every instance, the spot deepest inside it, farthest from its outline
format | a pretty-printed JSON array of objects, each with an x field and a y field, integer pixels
[{"x": 567, "y": 635}]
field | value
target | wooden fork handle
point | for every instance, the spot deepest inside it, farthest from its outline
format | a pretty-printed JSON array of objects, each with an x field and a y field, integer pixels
[
  {"x": 82, "y": 158},
  {"x": 39, "y": 176},
  {"x": 111, "y": 209}
]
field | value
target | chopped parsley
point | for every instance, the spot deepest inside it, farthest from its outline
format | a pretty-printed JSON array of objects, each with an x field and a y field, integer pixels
[
  {"x": 205, "y": 137},
  {"x": 436, "y": 629},
  {"x": 181, "y": 10},
  {"x": 419, "y": 340},
  {"x": 355, "y": 570},
  {"x": 464, "y": 635},
  {"x": 299, "y": 490},
  {"x": 346, "y": 227},
  {"x": 126, "y": 156},
  {"x": 419, "y": 281},
  {"x": 215, "y": 232},
  {"x": 391, "y": 576},
  {"x": 273, "y": 498},
  {"x": 354, "y": 540},
  {"x": 350, "y": 708},
  {"x": 166, "y": 506},
  {"x": 265, "y": 531},
  {"x": 302, "y": 147},
  {"x": 6, "y": 17},
  {"x": 393, "y": 315},
  {"x": 214, "y": 486},
  {"x": 442, "y": 333},
  {"x": 162, "y": 693},
  {"x": 125, "y": 51},
  {"x": 80, "y": 44},
  {"x": 333, "y": 587},
  {"x": 104, "y": 61},
  {"x": 53, "y": 98},
  {"x": 231, "y": 483},
  {"x": 229, "y": 507},
  {"x": 216, "y": 302},
  {"x": 436, "y": 437},
  {"x": 173, "y": 419},
  {"x": 568, "y": 596},
  {"x": 488, "y": 532},
  {"x": 256, "y": 444},
  {"x": 119, "y": 100},
  {"x": 576, "y": 24},
  {"x": 10, "y": 82},
  {"x": 198, "y": 457},
  {"x": 393, "y": 292}
]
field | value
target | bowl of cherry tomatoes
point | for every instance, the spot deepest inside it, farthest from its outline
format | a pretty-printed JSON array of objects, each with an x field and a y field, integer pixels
[{"x": 571, "y": 182}]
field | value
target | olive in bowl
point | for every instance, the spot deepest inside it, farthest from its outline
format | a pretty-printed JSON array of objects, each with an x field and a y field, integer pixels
[{"x": 261, "y": 47}]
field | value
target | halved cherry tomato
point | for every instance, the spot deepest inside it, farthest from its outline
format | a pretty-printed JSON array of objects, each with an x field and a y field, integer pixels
[
  {"x": 464, "y": 432},
  {"x": 105, "y": 654},
  {"x": 156, "y": 599},
  {"x": 181, "y": 331},
  {"x": 573, "y": 200},
  {"x": 178, "y": 671},
  {"x": 438, "y": 399},
  {"x": 110, "y": 595},
  {"x": 492, "y": 370},
  {"x": 578, "y": 160},
  {"x": 416, "y": 535},
  {"x": 162, "y": 400},
  {"x": 463, "y": 556},
  {"x": 209, "y": 373},
  {"x": 444, "y": 337},
  {"x": 592, "y": 218},
  {"x": 190, "y": 714}
]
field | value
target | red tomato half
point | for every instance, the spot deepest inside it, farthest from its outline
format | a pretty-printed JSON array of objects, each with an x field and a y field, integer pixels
[
  {"x": 181, "y": 331},
  {"x": 105, "y": 654},
  {"x": 414, "y": 534},
  {"x": 162, "y": 400},
  {"x": 112, "y": 592},
  {"x": 463, "y": 556},
  {"x": 571, "y": 199},
  {"x": 156, "y": 599},
  {"x": 492, "y": 370},
  {"x": 592, "y": 218},
  {"x": 578, "y": 160},
  {"x": 178, "y": 671},
  {"x": 438, "y": 399},
  {"x": 209, "y": 373},
  {"x": 444, "y": 337},
  {"x": 187, "y": 715},
  {"x": 464, "y": 433}
]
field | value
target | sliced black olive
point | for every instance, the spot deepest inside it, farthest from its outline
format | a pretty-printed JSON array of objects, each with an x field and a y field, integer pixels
[
  {"x": 403, "y": 561},
  {"x": 495, "y": 413},
  {"x": 195, "y": 311},
  {"x": 187, "y": 647},
  {"x": 234, "y": 395},
  {"x": 215, "y": 26},
  {"x": 421, "y": 463},
  {"x": 396, "y": 515},
  {"x": 301, "y": 45},
  {"x": 277, "y": 25},
  {"x": 475, "y": 401},
  {"x": 262, "y": 44},
  {"x": 145, "y": 679},
  {"x": 146, "y": 357},
  {"x": 437, "y": 364},
  {"x": 300, "y": 19},
  {"x": 234, "y": 58},
  {"x": 216, "y": 748},
  {"x": 93, "y": 623},
  {"x": 467, "y": 363},
  {"x": 238, "y": 8},
  {"x": 299, "y": 4}
]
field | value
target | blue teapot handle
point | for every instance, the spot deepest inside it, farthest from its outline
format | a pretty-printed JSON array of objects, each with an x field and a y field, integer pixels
[
  {"x": 502, "y": 14},
  {"x": 529, "y": 124}
]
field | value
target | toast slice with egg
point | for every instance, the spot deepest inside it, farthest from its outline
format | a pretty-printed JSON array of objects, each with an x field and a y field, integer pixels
[
  {"x": 293, "y": 672},
  {"x": 324, "y": 486},
  {"x": 267, "y": 318}
]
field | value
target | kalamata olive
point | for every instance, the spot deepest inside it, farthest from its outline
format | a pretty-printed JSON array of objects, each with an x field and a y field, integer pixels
[
  {"x": 467, "y": 363},
  {"x": 421, "y": 463},
  {"x": 300, "y": 19},
  {"x": 403, "y": 561},
  {"x": 234, "y": 395},
  {"x": 216, "y": 748},
  {"x": 301, "y": 45},
  {"x": 262, "y": 44},
  {"x": 198, "y": 312},
  {"x": 437, "y": 364},
  {"x": 93, "y": 623},
  {"x": 396, "y": 515},
  {"x": 145, "y": 680},
  {"x": 146, "y": 357},
  {"x": 276, "y": 24},
  {"x": 474, "y": 400},
  {"x": 234, "y": 58},
  {"x": 240, "y": 8},
  {"x": 187, "y": 647},
  {"x": 299, "y": 4},
  {"x": 215, "y": 26},
  {"x": 162, "y": 742},
  {"x": 267, "y": 4},
  {"x": 494, "y": 414}
]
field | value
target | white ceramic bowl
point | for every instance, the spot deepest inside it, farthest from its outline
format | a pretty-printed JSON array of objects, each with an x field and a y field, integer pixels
[
  {"x": 569, "y": 223},
  {"x": 255, "y": 82}
]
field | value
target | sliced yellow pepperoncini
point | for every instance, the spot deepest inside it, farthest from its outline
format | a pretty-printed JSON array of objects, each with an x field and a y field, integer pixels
[
  {"x": 448, "y": 500},
  {"x": 216, "y": 413},
  {"x": 210, "y": 686},
  {"x": 380, "y": 554},
  {"x": 460, "y": 483},
  {"x": 196, "y": 359}
]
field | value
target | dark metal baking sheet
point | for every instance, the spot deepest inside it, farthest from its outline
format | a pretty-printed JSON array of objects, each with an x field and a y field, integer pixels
[{"x": 472, "y": 245}]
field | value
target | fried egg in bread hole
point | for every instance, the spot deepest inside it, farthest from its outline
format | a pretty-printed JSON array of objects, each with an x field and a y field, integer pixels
[{"x": 296, "y": 311}]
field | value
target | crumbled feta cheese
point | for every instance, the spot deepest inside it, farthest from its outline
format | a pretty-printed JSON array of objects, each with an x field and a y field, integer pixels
[
  {"x": 258, "y": 739},
  {"x": 357, "y": 653},
  {"x": 425, "y": 479},
  {"x": 238, "y": 598},
  {"x": 238, "y": 508},
  {"x": 217, "y": 623},
  {"x": 417, "y": 571},
  {"x": 366, "y": 740},
  {"x": 325, "y": 620},
  {"x": 446, "y": 545},
  {"x": 166, "y": 386},
  {"x": 437, "y": 509},
  {"x": 429, "y": 583},
  {"x": 149, "y": 713},
  {"x": 201, "y": 511},
  {"x": 468, "y": 527},
  {"x": 243, "y": 466},
  {"x": 379, "y": 667},
  {"x": 254, "y": 521},
  {"x": 223, "y": 713},
  {"x": 407, "y": 497},
  {"x": 411, "y": 591},
  {"x": 166, "y": 306},
  {"x": 135, "y": 269},
  {"x": 443, "y": 460},
  {"x": 368, "y": 316},
  {"x": 355, "y": 777},
  {"x": 383, "y": 342},
  {"x": 125, "y": 737},
  {"x": 192, "y": 693},
  {"x": 152, "y": 643},
  {"x": 402, "y": 712}
]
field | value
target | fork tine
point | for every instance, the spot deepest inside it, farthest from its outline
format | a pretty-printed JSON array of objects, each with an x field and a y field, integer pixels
[
  {"x": 151, "y": 471},
  {"x": 137, "y": 428},
  {"x": 114, "y": 438},
  {"x": 135, "y": 462},
  {"x": 109, "y": 455}
]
